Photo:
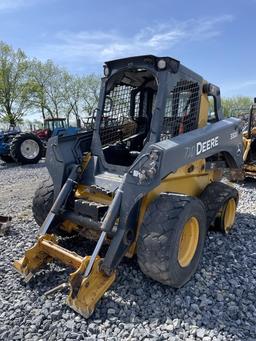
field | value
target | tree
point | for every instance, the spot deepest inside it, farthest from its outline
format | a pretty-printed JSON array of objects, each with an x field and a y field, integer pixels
[
  {"x": 39, "y": 78},
  {"x": 72, "y": 95},
  {"x": 90, "y": 93},
  {"x": 14, "y": 84},
  {"x": 233, "y": 106},
  {"x": 48, "y": 84},
  {"x": 32, "y": 124}
]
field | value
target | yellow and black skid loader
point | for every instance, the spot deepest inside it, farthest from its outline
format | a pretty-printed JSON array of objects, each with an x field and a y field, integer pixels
[{"x": 144, "y": 181}]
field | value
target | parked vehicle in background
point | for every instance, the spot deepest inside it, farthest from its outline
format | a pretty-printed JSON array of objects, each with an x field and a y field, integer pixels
[
  {"x": 5, "y": 139},
  {"x": 30, "y": 147},
  {"x": 248, "y": 126},
  {"x": 53, "y": 127}
]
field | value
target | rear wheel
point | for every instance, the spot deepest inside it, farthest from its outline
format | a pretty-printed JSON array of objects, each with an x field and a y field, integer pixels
[
  {"x": 26, "y": 148},
  {"x": 7, "y": 158},
  {"x": 226, "y": 218},
  {"x": 171, "y": 239},
  {"x": 220, "y": 201}
]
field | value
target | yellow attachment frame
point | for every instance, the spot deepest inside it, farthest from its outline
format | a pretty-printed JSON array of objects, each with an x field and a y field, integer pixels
[
  {"x": 248, "y": 169},
  {"x": 85, "y": 193},
  {"x": 35, "y": 257},
  {"x": 247, "y": 146},
  {"x": 85, "y": 292}
]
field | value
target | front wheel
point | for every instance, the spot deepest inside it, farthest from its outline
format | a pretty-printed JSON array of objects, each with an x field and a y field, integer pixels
[
  {"x": 42, "y": 204},
  {"x": 26, "y": 148},
  {"x": 43, "y": 200},
  {"x": 171, "y": 239}
]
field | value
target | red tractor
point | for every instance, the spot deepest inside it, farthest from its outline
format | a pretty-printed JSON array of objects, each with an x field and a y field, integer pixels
[{"x": 50, "y": 125}]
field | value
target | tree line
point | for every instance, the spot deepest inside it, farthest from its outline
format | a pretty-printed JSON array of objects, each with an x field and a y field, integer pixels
[
  {"x": 31, "y": 86},
  {"x": 236, "y": 105}
]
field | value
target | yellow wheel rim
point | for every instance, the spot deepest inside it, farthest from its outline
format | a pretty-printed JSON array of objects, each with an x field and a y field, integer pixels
[
  {"x": 229, "y": 214},
  {"x": 188, "y": 242}
]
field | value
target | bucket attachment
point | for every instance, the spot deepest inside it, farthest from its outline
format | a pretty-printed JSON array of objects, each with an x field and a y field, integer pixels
[{"x": 84, "y": 292}]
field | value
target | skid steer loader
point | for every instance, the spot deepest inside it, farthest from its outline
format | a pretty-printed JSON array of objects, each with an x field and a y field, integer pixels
[{"x": 145, "y": 183}]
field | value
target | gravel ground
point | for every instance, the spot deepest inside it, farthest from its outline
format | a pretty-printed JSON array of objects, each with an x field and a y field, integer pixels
[{"x": 219, "y": 303}]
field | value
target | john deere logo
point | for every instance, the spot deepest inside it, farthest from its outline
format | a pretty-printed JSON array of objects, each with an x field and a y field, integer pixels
[{"x": 202, "y": 147}]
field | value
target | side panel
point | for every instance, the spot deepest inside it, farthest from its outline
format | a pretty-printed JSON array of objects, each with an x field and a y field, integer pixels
[
  {"x": 163, "y": 158},
  {"x": 182, "y": 182},
  {"x": 62, "y": 153},
  {"x": 220, "y": 137}
]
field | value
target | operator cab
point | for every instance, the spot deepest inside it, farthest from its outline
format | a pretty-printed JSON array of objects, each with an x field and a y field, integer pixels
[
  {"x": 125, "y": 123},
  {"x": 55, "y": 123},
  {"x": 143, "y": 99}
]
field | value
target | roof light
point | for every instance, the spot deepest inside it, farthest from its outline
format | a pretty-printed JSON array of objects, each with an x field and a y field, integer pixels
[
  {"x": 161, "y": 64},
  {"x": 106, "y": 70}
]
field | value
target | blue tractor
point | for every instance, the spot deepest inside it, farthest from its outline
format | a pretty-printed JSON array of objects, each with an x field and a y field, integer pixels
[
  {"x": 30, "y": 147},
  {"x": 6, "y": 138}
]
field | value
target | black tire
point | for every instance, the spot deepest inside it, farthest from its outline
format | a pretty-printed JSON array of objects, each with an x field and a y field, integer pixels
[
  {"x": 215, "y": 198},
  {"x": 160, "y": 235},
  {"x": 42, "y": 204},
  {"x": 16, "y": 148},
  {"x": 43, "y": 200},
  {"x": 7, "y": 158}
]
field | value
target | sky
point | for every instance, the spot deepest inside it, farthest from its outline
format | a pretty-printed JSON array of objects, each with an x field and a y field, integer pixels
[{"x": 215, "y": 39}]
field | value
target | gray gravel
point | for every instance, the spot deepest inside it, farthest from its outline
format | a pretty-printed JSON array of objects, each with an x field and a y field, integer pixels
[{"x": 219, "y": 303}]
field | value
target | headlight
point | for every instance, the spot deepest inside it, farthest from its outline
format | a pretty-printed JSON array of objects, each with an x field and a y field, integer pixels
[
  {"x": 106, "y": 71},
  {"x": 161, "y": 64}
]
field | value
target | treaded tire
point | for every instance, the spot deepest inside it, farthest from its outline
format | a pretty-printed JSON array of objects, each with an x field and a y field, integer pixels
[
  {"x": 214, "y": 197},
  {"x": 158, "y": 242},
  {"x": 43, "y": 200},
  {"x": 15, "y": 148},
  {"x": 7, "y": 158}
]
